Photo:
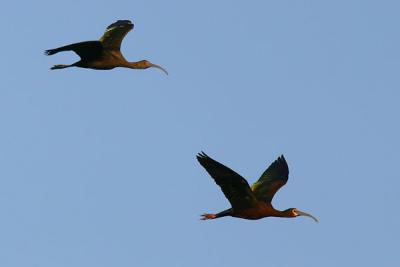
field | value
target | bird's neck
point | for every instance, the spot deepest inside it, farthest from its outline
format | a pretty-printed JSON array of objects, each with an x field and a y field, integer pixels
[
  {"x": 284, "y": 213},
  {"x": 137, "y": 65}
]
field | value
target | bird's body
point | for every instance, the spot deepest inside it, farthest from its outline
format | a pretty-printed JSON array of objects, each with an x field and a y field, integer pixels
[
  {"x": 247, "y": 202},
  {"x": 258, "y": 211},
  {"x": 105, "y": 53}
]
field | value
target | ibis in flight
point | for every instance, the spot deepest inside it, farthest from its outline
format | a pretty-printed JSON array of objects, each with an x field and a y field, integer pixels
[
  {"x": 105, "y": 53},
  {"x": 247, "y": 202}
]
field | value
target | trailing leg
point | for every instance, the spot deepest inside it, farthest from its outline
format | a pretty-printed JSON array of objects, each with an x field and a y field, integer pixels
[
  {"x": 210, "y": 216},
  {"x": 60, "y": 66}
]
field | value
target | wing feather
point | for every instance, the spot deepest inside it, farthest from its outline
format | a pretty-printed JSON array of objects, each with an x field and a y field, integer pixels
[
  {"x": 115, "y": 33},
  {"x": 235, "y": 187},
  {"x": 271, "y": 180}
]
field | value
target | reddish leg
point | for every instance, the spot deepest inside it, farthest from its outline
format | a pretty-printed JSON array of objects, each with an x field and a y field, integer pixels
[{"x": 207, "y": 216}]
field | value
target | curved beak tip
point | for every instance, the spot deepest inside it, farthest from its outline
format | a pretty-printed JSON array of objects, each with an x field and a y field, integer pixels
[
  {"x": 312, "y": 217},
  {"x": 159, "y": 67},
  {"x": 301, "y": 213}
]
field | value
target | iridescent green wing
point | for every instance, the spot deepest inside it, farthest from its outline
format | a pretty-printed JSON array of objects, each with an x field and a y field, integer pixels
[
  {"x": 235, "y": 187},
  {"x": 271, "y": 180},
  {"x": 115, "y": 33}
]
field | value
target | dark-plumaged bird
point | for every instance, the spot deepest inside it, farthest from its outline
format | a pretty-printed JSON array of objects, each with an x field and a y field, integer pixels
[
  {"x": 247, "y": 202},
  {"x": 105, "y": 53}
]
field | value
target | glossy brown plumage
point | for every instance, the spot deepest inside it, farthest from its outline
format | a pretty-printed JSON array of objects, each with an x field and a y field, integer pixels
[
  {"x": 105, "y": 53},
  {"x": 250, "y": 202}
]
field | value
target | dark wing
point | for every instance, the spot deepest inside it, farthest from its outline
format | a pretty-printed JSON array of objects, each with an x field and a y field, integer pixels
[
  {"x": 235, "y": 187},
  {"x": 115, "y": 33},
  {"x": 271, "y": 180},
  {"x": 86, "y": 50}
]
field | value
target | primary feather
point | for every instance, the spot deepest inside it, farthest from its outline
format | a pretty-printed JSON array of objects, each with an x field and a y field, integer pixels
[
  {"x": 235, "y": 187},
  {"x": 276, "y": 176},
  {"x": 115, "y": 33}
]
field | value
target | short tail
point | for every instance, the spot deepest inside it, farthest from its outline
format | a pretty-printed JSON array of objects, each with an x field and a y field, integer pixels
[
  {"x": 207, "y": 216},
  {"x": 60, "y": 66}
]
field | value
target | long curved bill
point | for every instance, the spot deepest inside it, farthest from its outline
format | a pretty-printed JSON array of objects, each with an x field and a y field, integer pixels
[
  {"x": 301, "y": 213},
  {"x": 159, "y": 67}
]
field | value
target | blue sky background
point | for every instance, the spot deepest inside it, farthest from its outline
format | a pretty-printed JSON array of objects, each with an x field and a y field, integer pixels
[{"x": 98, "y": 167}]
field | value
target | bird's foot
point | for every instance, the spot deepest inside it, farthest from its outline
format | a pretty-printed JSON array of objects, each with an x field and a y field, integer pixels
[
  {"x": 59, "y": 66},
  {"x": 207, "y": 216}
]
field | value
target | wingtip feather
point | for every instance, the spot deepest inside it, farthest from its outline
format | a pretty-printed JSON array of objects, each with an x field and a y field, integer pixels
[
  {"x": 120, "y": 23},
  {"x": 202, "y": 155},
  {"x": 284, "y": 164}
]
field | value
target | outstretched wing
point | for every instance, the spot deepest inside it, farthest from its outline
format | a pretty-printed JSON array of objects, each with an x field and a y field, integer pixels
[
  {"x": 115, "y": 33},
  {"x": 86, "y": 50},
  {"x": 271, "y": 180},
  {"x": 235, "y": 187}
]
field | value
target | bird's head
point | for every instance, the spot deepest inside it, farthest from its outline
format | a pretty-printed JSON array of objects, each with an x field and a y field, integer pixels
[
  {"x": 293, "y": 212},
  {"x": 145, "y": 64}
]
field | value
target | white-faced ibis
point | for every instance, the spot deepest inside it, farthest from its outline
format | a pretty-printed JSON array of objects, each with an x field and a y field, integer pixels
[
  {"x": 105, "y": 53},
  {"x": 247, "y": 202}
]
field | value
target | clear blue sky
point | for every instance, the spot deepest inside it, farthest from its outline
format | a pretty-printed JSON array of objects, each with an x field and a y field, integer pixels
[{"x": 98, "y": 167}]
